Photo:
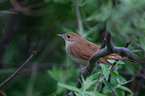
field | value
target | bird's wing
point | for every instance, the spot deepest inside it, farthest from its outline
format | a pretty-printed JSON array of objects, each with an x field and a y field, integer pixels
[
  {"x": 87, "y": 49},
  {"x": 83, "y": 50},
  {"x": 113, "y": 57}
]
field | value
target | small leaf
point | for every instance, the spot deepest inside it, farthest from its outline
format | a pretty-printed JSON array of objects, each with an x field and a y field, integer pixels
[
  {"x": 126, "y": 89},
  {"x": 117, "y": 75},
  {"x": 119, "y": 93},
  {"x": 77, "y": 94},
  {"x": 99, "y": 94},
  {"x": 108, "y": 87},
  {"x": 105, "y": 70},
  {"x": 69, "y": 87},
  {"x": 88, "y": 82}
]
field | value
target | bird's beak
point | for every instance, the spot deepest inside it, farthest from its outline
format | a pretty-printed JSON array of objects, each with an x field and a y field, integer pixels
[{"x": 60, "y": 35}]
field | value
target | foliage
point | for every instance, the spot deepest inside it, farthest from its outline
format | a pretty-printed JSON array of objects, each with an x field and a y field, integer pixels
[{"x": 114, "y": 85}]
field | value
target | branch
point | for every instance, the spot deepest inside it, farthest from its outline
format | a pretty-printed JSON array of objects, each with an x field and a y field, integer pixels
[
  {"x": 2, "y": 92},
  {"x": 136, "y": 51},
  {"x": 18, "y": 70},
  {"x": 93, "y": 62},
  {"x": 143, "y": 51},
  {"x": 121, "y": 72},
  {"x": 26, "y": 11},
  {"x": 127, "y": 44},
  {"x": 138, "y": 83},
  {"x": 104, "y": 42},
  {"x": 141, "y": 75},
  {"x": 80, "y": 26},
  {"x": 8, "y": 12}
]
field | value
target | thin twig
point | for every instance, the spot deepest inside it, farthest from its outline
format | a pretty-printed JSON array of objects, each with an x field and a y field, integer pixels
[
  {"x": 136, "y": 51},
  {"x": 127, "y": 74},
  {"x": 135, "y": 70},
  {"x": 8, "y": 12},
  {"x": 80, "y": 26},
  {"x": 127, "y": 44},
  {"x": 2, "y": 92},
  {"x": 67, "y": 73},
  {"x": 137, "y": 45},
  {"x": 143, "y": 51},
  {"x": 27, "y": 11},
  {"x": 18, "y": 70},
  {"x": 32, "y": 80},
  {"x": 104, "y": 42},
  {"x": 96, "y": 86}
]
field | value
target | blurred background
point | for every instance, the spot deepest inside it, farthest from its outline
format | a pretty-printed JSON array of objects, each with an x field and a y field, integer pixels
[{"x": 32, "y": 25}]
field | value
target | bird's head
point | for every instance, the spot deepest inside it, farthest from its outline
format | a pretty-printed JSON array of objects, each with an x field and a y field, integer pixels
[{"x": 70, "y": 37}]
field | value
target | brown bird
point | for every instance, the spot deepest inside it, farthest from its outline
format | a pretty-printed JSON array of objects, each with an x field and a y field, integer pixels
[{"x": 80, "y": 50}]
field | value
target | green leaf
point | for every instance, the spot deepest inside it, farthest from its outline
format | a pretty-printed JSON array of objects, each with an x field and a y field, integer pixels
[
  {"x": 99, "y": 94},
  {"x": 57, "y": 74},
  {"x": 126, "y": 89},
  {"x": 77, "y": 94},
  {"x": 119, "y": 93},
  {"x": 96, "y": 74},
  {"x": 69, "y": 87},
  {"x": 117, "y": 76},
  {"x": 105, "y": 70},
  {"x": 88, "y": 82},
  {"x": 108, "y": 87}
]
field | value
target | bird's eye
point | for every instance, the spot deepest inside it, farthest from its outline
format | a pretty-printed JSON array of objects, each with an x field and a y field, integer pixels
[{"x": 68, "y": 36}]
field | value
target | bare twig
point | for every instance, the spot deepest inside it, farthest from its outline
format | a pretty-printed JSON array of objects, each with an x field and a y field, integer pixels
[
  {"x": 17, "y": 6},
  {"x": 2, "y": 92},
  {"x": 104, "y": 42},
  {"x": 136, "y": 51},
  {"x": 138, "y": 83},
  {"x": 8, "y": 12},
  {"x": 137, "y": 45},
  {"x": 80, "y": 26},
  {"x": 32, "y": 80},
  {"x": 67, "y": 73},
  {"x": 127, "y": 74},
  {"x": 27, "y": 11},
  {"x": 143, "y": 51},
  {"x": 18, "y": 70},
  {"x": 127, "y": 44},
  {"x": 134, "y": 70}
]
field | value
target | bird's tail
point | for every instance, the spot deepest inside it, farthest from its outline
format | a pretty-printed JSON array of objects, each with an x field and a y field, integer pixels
[{"x": 114, "y": 57}]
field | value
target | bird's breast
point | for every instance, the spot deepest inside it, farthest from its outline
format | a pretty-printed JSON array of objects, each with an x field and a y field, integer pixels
[{"x": 74, "y": 58}]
